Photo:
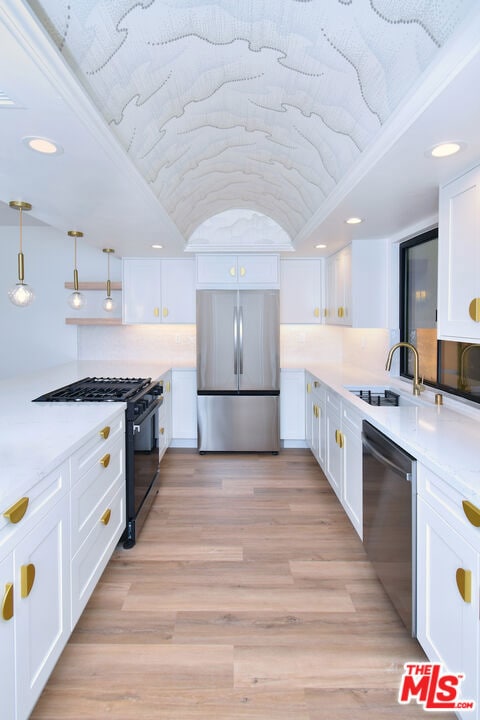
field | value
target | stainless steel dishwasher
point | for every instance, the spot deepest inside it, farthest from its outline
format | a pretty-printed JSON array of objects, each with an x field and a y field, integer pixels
[{"x": 389, "y": 519}]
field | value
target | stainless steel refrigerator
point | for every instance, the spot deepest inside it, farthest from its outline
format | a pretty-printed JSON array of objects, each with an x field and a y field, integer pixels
[{"x": 238, "y": 370}]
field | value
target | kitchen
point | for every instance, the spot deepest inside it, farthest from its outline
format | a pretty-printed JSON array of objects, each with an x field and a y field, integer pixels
[{"x": 94, "y": 187}]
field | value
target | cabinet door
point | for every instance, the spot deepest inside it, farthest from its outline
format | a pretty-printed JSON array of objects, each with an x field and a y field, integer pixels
[
  {"x": 167, "y": 407},
  {"x": 184, "y": 407},
  {"x": 178, "y": 291},
  {"x": 339, "y": 280},
  {"x": 42, "y": 598},
  {"x": 216, "y": 270},
  {"x": 459, "y": 259},
  {"x": 447, "y": 625},
  {"x": 334, "y": 456},
  {"x": 352, "y": 491},
  {"x": 292, "y": 405},
  {"x": 301, "y": 291},
  {"x": 141, "y": 290},
  {"x": 261, "y": 270},
  {"x": 7, "y": 639}
]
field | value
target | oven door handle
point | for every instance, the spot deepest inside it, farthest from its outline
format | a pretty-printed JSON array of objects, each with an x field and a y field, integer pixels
[{"x": 385, "y": 461}]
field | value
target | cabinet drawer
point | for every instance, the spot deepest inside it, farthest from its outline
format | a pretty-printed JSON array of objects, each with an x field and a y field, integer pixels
[
  {"x": 448, "y": 502},
  {"x": 352, "y": 418},
  {"x": 88, "y": 495},
  {"x": 93, "y": 556},
  {"x": 41, "y": 498},
  {"x": 333, "y": 401},
  {"x": 96, "y": 446}
]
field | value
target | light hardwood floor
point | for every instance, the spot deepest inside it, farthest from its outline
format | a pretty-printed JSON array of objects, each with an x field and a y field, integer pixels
[{"x": 247, "y": 597}]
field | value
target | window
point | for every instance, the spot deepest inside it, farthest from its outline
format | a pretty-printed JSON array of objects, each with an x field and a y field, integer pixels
[{"x": 450, "y": 366}]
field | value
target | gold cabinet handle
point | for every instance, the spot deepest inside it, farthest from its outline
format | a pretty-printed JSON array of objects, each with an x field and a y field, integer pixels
[
  {"x": 243, "y": 272},
  {"x": 17, "y": 511},
  {"x": 105, "y": 432},
  {"x": 472, "y": 512},
  {"x": 336, "y": 436},
  {"x": 316, "y": 383},
  {"x": 105, "y": 460},
  {"x": 464, "y": 584},
  {"x": 7, "y": 602},
  {"x": 167, "y": 385},
  {"x": 474, "y": 309},
  {"x": 325, "y": 312},
  {"x": 232, "y": 271},
  {"x": 316, "y": 312},
  {"x": 309, "y": 388},
  {"x": 27, "y": 578},
  {"x": 340, "y": 439},
  {"x": 165, "y": 312},
  {"x": 162, "y": 431},
  {"x": 156, "y": 311},
  {"x": 105, "y": 519},
  {"x": 340, "y": 312}
]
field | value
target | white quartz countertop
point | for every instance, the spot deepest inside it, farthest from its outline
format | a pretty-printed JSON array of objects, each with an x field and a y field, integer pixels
[
  {"x": 445, "y": 438},
  {"x": 35, "y": 437}
]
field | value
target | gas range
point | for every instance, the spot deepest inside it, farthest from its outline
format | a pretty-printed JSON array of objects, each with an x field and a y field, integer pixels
[{"x": 143, "y": 398}]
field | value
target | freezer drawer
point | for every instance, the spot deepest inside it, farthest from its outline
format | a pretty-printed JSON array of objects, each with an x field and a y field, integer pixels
[{"x": 238, "y": 423}]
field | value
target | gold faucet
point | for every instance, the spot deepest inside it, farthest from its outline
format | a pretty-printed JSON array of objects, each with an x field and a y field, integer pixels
[{"x": 417, "y": 387}]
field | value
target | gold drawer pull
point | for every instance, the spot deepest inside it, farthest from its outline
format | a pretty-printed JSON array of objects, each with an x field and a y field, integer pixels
[
  {"x": 472, "y": 512},
  {"x": 17, "y": 511},
  {"x": 309, "y": 388},
  {"x": 340, "y": 312},
  {"x": 474, "y": 309},
  {"x": 336, "y": 436},
  {"x": 316, "y": 312},
  {"x": 105, "y": 432},
  {"x": 243, "y": 272},
  {"x": 165, "y": 312},
  {"x": 156, "y": 312},
  {"x": 232, "y": 271},
  {"x": 27, "y": 578},
  {"x": 7, "y": 602},
  {"x": 105, "y": 519},
  {"x": 105, "y": 460},
  {"x": 162, "y": 431},
  {"x": 168, "y": 385},
  {"x": 464, "y": 584},
  {"x": 316, "y": 383}
]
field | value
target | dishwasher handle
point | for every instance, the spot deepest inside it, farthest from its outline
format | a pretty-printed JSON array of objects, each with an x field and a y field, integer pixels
[{"x": 385, "y": 461}]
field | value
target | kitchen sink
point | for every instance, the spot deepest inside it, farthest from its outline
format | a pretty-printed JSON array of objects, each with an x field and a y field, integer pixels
[{"x": 381, "y": 396}]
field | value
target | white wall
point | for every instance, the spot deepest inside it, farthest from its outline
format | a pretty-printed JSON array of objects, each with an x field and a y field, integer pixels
[{"x": 37, "y": 337}]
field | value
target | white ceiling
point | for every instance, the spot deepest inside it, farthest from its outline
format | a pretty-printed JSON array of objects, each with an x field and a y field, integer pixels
[{"x": 172, "y": 111}]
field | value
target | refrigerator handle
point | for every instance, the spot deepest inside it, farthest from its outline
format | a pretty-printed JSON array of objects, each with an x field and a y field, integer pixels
[
  {"x": 240, "y": 329},
  {"x": 235, "y": 341}
]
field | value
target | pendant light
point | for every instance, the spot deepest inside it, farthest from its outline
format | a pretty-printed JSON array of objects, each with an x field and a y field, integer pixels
[
  {"x": 76, "y": 300},
  {"x": 21, "y": 294},
  {"x": 109, "y": 302}
]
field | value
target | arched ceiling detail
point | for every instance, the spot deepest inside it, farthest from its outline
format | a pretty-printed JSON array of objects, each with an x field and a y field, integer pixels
[{"x": 259, "y": 104}]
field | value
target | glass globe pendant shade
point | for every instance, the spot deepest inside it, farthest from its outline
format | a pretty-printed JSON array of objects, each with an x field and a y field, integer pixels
[
  {"x": 109, "y": 304},
  {"x": 21, "y": 295},
  {"x": 77, "y": 300}
]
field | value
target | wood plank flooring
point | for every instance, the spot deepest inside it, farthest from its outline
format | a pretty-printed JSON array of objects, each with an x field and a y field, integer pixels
[{"x": 247, "y": 597}]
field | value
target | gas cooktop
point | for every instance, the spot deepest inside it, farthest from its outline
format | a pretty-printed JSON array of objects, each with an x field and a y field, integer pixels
[{"x": 93, "y": 389}]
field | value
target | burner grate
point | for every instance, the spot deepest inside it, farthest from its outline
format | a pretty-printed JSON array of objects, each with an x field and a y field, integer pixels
[
  {"x": 383, "y": 398},
  {"x": 97, "y": 389}
]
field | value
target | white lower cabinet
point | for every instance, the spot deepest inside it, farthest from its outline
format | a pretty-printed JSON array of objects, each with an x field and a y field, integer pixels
[
  {"x": 448, "y": 556},
  {"x": 184, "y": 408},
  {"x": 334, "y": 435},
  {"x": 164, "y": 434},
  {"x": 292, "y": 408},
  {"x": 7, "y": 638},
  {"x": 42, "y": 613}
]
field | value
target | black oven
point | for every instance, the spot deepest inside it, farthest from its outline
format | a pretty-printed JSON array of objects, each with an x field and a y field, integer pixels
[{"x": 143, "y": 398}]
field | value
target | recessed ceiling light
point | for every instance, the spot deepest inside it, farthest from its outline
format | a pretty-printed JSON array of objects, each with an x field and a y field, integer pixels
[
  {"x": 43, "y": 145},
  {"x": 157, "y": 247},
  {"x": 320, "y": 247},
  {"x": 445, "y": 149},
  {"x": 354, "y": 221}
]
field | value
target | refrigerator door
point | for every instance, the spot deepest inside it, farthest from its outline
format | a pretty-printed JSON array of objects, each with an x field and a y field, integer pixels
[
  {"x": 217, "y": 341},
  {"x": 259, "y": 341},
  {"x": 238, "y": 423}
]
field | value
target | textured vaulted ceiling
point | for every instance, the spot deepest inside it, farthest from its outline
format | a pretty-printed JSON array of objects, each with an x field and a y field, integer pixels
[{"x": 258, "y": 104}]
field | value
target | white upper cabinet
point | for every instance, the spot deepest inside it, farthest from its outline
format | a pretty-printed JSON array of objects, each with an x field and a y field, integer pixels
[
  {"x": 459, "y": 259},
  {"x": 249, "y": 271},
  {"x": 357, "y": 285},
  {"x": 158, "y": 291},
  {"x": 301, "y": 291}
]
